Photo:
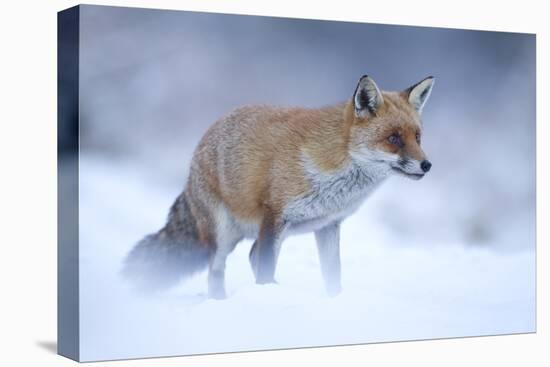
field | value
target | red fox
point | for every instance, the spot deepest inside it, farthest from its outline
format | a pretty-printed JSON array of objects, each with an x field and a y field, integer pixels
[{"x": 265, "y": 173}]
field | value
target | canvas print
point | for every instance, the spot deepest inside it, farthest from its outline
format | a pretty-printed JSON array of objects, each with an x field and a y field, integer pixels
[{"x": 237, "y": 183}]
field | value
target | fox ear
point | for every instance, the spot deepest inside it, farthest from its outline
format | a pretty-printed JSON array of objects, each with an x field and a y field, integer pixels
[
  {"x": 367, "y": 98},
  {"x": 419, "y": 93}
]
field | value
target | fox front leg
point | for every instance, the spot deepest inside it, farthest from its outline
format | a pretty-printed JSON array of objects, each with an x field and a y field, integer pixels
[
  {"x": 264, "y": 253},
  {"x": 253, "y": 256},
  {"x": 328, "y": 245}
]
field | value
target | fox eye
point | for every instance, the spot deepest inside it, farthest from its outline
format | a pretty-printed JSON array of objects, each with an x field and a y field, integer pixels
[
  {"x": 395, "y": 139},
  {"x": 418, "y": 138}
]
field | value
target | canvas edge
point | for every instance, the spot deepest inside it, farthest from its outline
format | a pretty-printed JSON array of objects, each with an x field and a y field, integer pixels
[{"x": 68, "y": 328}]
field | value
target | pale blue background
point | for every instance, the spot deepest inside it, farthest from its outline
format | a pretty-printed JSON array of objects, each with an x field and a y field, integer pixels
[{"x": 451, "y": 255}]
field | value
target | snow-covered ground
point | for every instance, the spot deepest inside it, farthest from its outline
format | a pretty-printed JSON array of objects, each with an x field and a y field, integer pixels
[
  {"x": 400, "y": 282},
  {"x": 450, "y": 255}
]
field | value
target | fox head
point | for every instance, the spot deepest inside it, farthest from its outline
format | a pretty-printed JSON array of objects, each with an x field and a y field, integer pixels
[{"x": 386, "y": 128}]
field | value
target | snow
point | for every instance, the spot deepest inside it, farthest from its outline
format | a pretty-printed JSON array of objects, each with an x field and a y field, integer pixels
[
  {"x": 400, "y": 282},
  {"x": 448, "y": 256}
]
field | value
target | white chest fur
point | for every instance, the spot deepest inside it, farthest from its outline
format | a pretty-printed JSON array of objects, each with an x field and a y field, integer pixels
[{"x": 333, "y": 196}]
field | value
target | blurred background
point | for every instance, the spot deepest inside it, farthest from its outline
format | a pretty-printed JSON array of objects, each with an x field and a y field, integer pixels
[{"x": 152, "y": 82}]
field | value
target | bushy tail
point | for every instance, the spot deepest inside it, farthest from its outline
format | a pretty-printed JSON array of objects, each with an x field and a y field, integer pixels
[{"x": 162, "y": 259}]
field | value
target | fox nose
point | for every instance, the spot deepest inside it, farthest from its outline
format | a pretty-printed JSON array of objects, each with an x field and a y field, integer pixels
[{"x": 425, "y": 165}]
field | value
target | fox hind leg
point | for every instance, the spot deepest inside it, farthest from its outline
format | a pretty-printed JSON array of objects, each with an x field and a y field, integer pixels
[
  {"x": 216, "y": 275},
  {"x": 216, "y": 269},
  {"x": 253, "y": 257},
  {"x": 227, "y": 237}
]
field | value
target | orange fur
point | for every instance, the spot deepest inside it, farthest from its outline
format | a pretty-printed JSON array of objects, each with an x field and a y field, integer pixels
[{"x": 264, "y": 168}]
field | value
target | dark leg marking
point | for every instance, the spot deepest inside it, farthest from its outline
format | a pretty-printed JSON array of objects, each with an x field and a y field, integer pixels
[
  {"x": 253, "y": 257},
  {"x": 265, "y": 257}
]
